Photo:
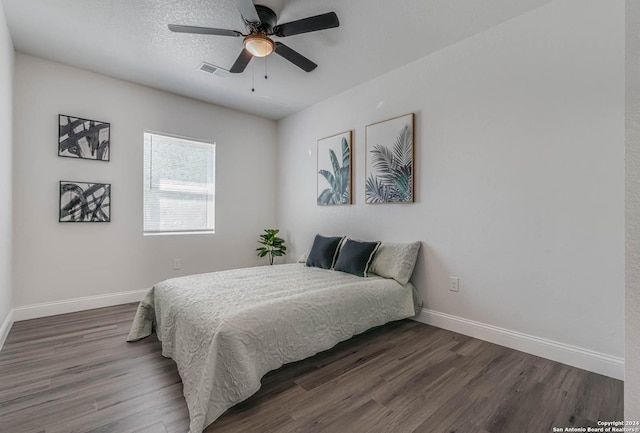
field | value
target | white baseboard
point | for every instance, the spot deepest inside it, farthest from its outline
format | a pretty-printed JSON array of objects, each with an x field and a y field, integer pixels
[
  {"x": 45, "y": 309},
  {"x": 590, "y": 360},
  {"x": 6, "y": 327}
]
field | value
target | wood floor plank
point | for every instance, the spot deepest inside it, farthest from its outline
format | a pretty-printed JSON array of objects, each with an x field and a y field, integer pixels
[
  {"x": 361, "y": 417},
  {"x": 157, "y": 427},
  {"x": 75, "y": 373}
]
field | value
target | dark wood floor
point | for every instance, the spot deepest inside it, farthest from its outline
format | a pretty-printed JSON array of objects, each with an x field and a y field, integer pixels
[{"x": 76, "y": 373}]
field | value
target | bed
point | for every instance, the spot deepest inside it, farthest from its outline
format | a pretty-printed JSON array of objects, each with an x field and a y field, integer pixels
[{"x": 226, "y": 329}]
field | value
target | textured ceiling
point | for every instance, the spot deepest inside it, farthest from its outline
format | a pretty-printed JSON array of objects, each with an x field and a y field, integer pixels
[{"x": 129, "y": 40}]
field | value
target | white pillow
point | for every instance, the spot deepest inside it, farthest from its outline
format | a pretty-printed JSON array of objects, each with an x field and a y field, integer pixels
[{"x": 396, "y": 260}]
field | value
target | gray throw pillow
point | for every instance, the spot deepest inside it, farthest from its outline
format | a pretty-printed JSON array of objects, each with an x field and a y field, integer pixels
[
  {"x": 355, "y": 257},
  {"x": 324, "y": 251}
]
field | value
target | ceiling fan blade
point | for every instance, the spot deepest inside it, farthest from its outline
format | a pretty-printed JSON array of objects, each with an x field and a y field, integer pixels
[
  {"x": 305, "y": 25},
  {"x": 203, "y": 30},
  {"x": 248, "y": 11},
  {"x": 241, "y": 62},
  {"x": 295, "y": 57}
]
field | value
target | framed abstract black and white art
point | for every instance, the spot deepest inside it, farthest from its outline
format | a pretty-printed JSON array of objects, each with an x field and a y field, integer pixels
[
  {"x": 83, "y": 138},
  {"x": 85, "y": 202}
]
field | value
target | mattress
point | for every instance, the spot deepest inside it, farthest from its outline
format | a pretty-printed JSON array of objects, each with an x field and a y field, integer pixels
[{"x": 226, "y": 329}]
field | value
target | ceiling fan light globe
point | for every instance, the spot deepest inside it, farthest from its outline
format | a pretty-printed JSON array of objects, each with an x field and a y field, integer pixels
[{"x": 259, "y": 45}]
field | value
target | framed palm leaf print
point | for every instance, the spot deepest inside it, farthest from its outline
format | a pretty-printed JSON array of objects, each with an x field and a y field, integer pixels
[
  {"x": 334, "y": 170},
  {"x": 389, "y": 161}
]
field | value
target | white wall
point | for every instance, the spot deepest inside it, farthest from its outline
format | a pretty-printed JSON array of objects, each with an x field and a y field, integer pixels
[
  {"x": 632, "y": 157},
  {"x": 57, "y": 261},
  {"x": 6, "y": 113},
  {"x": 519, "y": 175}
]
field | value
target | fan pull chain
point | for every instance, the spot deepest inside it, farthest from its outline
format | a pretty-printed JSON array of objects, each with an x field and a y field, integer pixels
[
  {"x": 253, "y": 78},
  {"x": 265, "y": 68}
]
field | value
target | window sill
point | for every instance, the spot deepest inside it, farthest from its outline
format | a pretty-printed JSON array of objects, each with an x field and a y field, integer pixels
[{"x": 194, "y": 232}]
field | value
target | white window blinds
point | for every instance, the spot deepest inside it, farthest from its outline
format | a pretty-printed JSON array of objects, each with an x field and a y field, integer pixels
[{"x": 179, "y": 185}]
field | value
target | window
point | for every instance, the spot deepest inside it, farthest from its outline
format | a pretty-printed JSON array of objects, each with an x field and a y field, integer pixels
[{"x": 179, "y": 185}]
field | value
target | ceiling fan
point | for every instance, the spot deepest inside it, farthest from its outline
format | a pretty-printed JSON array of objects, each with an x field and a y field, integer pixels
[{"x": 261, "y": 23}]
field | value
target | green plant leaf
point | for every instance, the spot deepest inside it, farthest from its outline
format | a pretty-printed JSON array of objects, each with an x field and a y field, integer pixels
[
  {"x": 326, "y": 197},
  {"x": 330, "y": 178},
  {"x": 345, "y": 174},
  {"x": 346, "y": 154},
  {"x": 334, "y": 161},
  {"x": 375, "y": 191},
  {"x": 345, "y": 195},
  {"x": 403, "y": 148},
  {"x": 273, "y": 245},
  {"x": 381, "y": 158}
]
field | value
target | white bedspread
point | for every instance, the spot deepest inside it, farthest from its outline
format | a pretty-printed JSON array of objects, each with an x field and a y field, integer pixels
[{"x": 225, "y": 330}]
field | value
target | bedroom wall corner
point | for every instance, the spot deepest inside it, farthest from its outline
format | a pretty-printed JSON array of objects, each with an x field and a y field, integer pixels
[
  {"x": 63, "y": 267},
  {"x": 632, "y": 158},
  {"x": 519, "y": 175},
  {"x": 7, "y": 58}
]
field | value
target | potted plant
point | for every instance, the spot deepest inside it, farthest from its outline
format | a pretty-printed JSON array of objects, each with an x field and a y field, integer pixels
[{"x": 273, "y": 245}]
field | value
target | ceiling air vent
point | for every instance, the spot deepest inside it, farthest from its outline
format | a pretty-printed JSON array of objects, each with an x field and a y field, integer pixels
[{"x": 213, "y": 69}]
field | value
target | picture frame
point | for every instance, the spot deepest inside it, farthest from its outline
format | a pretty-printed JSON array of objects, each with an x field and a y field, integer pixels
[
  {"x": 333, "y": 171},
  {"x": 389, "y": 161},
  {"x": 84, "y": 202},
  {"x": 83, "y": 138}
]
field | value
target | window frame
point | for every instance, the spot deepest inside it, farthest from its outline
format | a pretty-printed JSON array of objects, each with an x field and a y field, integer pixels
[{"x": 211, "y": 190}]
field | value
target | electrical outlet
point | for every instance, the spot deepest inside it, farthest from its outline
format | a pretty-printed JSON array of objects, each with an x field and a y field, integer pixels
[
  {"x": 177, "y": 264},
  {"x": 454, "y": 284}
]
